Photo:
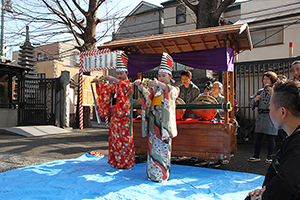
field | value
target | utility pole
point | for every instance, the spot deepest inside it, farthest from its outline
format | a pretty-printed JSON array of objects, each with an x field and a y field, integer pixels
[{"x": 2, "y": 27}]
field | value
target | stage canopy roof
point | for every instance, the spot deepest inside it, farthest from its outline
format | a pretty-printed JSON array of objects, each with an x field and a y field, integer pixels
[{"x": 235, "y": 36}]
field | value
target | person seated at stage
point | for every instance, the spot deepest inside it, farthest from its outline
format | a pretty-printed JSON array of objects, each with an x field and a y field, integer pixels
[
  {"x": 282, "y": 180},
  {"x": 207, "y": 88},
  {"x": 216, "y": 92},
  {"x": 188, "y": 92}
]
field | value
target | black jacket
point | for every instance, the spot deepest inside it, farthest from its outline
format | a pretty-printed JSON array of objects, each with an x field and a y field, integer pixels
[{"x": 285, "y": 183}]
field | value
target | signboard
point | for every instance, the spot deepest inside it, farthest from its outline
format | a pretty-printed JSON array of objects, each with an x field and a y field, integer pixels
[
  {"x": 98, "y": 60},
  {"x": 92, "y": 61}
]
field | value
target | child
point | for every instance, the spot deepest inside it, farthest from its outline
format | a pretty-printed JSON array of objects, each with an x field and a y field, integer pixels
[
  {"x": 115, "y": 99},
  {"x": 159, "y": 120}
]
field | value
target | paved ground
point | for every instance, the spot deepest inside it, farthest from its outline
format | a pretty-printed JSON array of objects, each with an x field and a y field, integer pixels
[{"x": 18, "y": 151}]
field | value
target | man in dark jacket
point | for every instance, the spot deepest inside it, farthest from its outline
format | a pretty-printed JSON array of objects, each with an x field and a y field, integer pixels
[
  {"x": 282, "y": 180},
  {"x": 188, "y": 92}
]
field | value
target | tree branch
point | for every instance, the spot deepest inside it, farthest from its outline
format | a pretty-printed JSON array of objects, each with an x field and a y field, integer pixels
[
  {"x": 79, "y": 8},
  {"x": 191, "y": 6},
  {"x": 222, "y": 7},
  {"x": 66, "y": 21}
]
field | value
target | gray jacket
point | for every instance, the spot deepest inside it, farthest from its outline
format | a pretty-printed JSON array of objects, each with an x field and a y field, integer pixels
[
  {"x": 263, "y": 123},
  {"x": 192, "y": 93}
]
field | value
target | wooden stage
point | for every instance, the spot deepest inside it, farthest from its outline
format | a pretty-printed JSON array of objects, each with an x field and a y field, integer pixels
[{"x": 212, "y": 142}]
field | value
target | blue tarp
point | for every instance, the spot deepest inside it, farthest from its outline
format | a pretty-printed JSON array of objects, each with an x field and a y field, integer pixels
[{"x": 90, "y": 177}]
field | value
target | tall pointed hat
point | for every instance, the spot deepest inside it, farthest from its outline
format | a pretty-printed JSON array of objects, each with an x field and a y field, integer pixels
[
  {"x": 122, "y": 60},
  {"x": 166, "y": 63}
]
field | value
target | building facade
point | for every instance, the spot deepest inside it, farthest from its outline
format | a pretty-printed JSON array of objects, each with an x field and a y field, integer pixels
[{"x": 145, "y": 19}]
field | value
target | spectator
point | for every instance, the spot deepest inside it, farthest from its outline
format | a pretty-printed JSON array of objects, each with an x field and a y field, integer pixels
[
  {"x": 296, "y": 70},
  {"x": 263, "y": 123},
  {"x": 282, "y": 180},
  {"x": 207, "y": 88},
  {"x": 216, "y": 92}
]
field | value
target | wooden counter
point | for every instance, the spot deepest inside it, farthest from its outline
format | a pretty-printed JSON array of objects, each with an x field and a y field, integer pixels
[{"x": 211, "y": 142}]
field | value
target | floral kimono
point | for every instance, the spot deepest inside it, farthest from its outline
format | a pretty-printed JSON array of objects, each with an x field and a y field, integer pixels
[
  {"x": 159, "y": 123},
  {"x": 115, "y": 99}
]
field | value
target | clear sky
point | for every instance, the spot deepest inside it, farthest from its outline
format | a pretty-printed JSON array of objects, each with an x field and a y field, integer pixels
[{"x": 15, "y": 35}]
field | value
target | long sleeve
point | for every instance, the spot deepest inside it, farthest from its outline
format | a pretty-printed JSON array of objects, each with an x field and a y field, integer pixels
[
  {"x": 251, "y": 102},
  {"x": 286, "y": 183},
  {"x": 104, "y": 92},
  {"x": 124, "y": 91}
]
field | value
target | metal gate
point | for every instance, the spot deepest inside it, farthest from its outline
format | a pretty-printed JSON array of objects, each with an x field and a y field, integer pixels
[{"x": 37, "y": 101}]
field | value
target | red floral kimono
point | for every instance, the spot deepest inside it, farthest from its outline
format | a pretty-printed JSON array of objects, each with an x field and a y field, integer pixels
[{"x": 121, "y": 149}]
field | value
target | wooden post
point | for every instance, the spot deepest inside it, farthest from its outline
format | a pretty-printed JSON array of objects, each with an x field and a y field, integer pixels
[
  {"x": 226, "y": 113},
  {"x": 232, "y": 89}
]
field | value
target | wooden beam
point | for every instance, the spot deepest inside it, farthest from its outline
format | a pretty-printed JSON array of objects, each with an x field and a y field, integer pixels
[
  {"x": 151, "y": 48},
  {"x": 189, "y": 44},
  {"x": 218, "y": 41},
  {"x": 176, "y": 46},
  {"x": 137, "y": 46},
  {"x": 203, "y": 43},
  {"x": 233, "y": 41},
  {"x": 164, "y": 47}
]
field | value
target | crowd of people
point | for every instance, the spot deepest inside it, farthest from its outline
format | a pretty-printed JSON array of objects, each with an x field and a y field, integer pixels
[{"x": 277, "y": 103}]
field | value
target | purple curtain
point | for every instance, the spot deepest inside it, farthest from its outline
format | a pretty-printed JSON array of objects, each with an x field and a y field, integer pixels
[{"x": 217, "y": 59}]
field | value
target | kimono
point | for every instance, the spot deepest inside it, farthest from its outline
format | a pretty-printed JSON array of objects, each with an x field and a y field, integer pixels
[
  {"x": 159, "y": 123},
  {"x": 115, "y": 100}
]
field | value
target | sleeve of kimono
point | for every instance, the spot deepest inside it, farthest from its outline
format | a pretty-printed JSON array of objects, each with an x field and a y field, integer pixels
[
  {"x": 104, "y": 92},
  {"x": 147, "y": 96},
  {"x": 169, "y": 127},
  {"x": 124, "y": 91}
]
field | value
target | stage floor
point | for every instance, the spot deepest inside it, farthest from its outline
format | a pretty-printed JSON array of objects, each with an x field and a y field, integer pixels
[{"x": 90, "y": 177}]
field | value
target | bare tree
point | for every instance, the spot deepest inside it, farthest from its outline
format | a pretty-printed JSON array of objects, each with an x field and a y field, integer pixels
[
  {"x": 84, "y": 28},
  {"x": 208, "y": 12},
  {"x": 53, "y": 20}
]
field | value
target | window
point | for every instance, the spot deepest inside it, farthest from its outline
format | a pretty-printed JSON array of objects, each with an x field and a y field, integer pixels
[
  {"x": 39, "y": 56},
  {"x": 268, "y": 36},
  {"x": 180, "y": 14},
  {"x": 45, "y": 57},
  {"x": 41, "y": 75},
  {"x": 77, "y": 59}
]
